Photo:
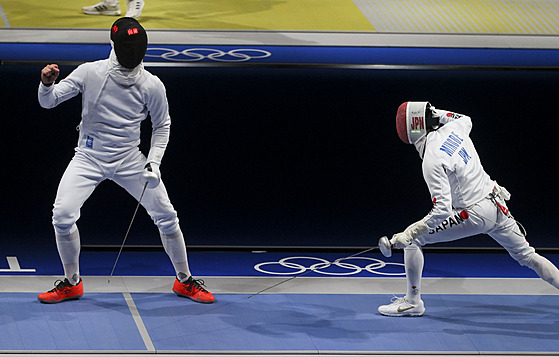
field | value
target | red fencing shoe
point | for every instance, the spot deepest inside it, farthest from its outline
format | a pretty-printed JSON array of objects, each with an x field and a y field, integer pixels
[
  {"x": 193, "y": 290},
  {"x": 62, "y": 291}
]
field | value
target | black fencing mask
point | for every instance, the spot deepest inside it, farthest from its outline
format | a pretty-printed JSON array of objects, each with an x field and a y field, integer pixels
[{"x": 130, "y": 41}]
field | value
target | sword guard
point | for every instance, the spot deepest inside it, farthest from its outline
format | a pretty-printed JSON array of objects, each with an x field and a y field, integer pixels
[{"x": 385, "y": 246}]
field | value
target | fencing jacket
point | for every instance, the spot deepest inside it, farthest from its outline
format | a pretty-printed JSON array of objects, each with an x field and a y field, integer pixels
[
  {"x": 452, "y": 168},
  {"x": 115, "y": 101}
]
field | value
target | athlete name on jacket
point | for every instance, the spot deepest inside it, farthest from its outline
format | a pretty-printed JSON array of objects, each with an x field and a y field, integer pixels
[
  {"x": 453, "y": 143},
  {"x": 448, "y": 223}
]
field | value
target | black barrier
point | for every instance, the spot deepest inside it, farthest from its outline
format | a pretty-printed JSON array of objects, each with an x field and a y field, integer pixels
[{"x": 288, "y": 156}]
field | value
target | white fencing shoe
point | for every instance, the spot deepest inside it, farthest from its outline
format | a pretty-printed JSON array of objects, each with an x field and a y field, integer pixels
[
  {"x": 102, "y": 8},
  {"x": 135, "y": 8},
  {"x": 402, "y": 307}
]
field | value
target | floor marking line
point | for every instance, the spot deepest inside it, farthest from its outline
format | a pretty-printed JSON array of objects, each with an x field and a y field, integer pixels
[
  {"x": 18, "y": 271},
  {"x": 13, "y": 263},
  {"x": 14, "y": 267},
  {"x": 139, "y": 322},
  {"x": 4, "y": 17}
]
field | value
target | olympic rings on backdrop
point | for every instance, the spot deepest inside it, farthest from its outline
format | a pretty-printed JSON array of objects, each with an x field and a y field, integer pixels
[
  {"x": 372, "y": 268},
  {"x": 199, "y": 54}
]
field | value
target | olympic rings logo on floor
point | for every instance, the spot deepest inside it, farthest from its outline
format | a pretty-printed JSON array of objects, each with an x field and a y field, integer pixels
[
  {"x": 200, "y": 54},
  {"x": 320, "y": 267}
]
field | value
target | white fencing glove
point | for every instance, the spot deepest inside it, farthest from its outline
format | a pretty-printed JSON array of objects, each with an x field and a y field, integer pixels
[
  {"x": 400, "y": 240},
  {"x": 151, "y": 175},
  {"x": 415, "y": 230},
  {"x": 403, "y": 239}
]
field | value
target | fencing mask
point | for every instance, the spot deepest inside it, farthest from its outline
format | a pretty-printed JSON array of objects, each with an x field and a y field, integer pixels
[
  {"x": 130, "y": 41},
  {"x": 413, "y": 119}
]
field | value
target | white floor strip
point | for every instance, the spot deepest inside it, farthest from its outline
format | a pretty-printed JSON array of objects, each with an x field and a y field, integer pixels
[
  {"x": 267, "y": 354},
  {"x": 139, "y": 323},
  {"x": 14, "y": 267},
  {"x": 302, "y": 285},
  {"x": 286, "y": 38}
]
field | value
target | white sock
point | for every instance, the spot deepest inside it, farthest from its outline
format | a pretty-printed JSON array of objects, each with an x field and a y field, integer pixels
[
  {"x": 413, "y": 260},
  {"x": 176, "y": 250},
  {"x": 545, "y": 269},
  {"x": 69, "y": 251}
]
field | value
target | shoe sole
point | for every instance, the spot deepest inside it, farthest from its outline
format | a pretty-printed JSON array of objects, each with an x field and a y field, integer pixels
[
  {"x": 403, "y": 314},
  {"x": 61, "y": 300},
  {"x": 195, "y": 300},
  {"x": 107, "y": 13}
]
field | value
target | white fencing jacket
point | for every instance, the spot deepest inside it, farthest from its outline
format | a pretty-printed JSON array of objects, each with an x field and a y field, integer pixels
[
  {"x": 452, "y": 168},
  {"x": 115, "y": 101}
]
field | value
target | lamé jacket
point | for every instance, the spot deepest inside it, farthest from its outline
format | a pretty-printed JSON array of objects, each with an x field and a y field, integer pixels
[
  {"x": 115, "y": 101},
  {"x": 452, "y": 168}
]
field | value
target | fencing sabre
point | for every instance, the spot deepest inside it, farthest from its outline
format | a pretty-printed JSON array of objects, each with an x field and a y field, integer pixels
[
  {"x": 325, "y": 265},
  {"x": 128, "y": 231}
]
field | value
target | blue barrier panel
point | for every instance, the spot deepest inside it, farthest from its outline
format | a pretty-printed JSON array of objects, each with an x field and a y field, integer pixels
[{"x": 292, "y": 55}]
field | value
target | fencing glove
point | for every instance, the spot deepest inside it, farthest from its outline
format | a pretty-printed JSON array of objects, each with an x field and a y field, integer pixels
[{"x": 151, "y": 175}]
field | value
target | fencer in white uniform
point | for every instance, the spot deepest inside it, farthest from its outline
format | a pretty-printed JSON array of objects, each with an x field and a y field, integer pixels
[
  {"x": 117, "y": 95},
  {"x": 466, "y": 201}
]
